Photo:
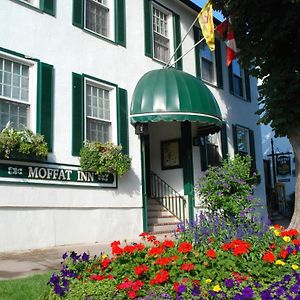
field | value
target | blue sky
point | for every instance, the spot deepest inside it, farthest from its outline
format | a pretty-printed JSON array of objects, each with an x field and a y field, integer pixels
[{"x": 201, "y": 3}]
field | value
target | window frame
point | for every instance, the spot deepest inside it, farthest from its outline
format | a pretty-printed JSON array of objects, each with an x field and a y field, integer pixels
[
  {"x": 32, "y": 94},
  {"x": 110, "y": 19},
  {"x": 245, "y": 129},
  {"x": 214, "y": 64},
  {"x": 170, "y": 31},
  {"x": 112, "y": 107},
  {"x": 48, "y": 7}
]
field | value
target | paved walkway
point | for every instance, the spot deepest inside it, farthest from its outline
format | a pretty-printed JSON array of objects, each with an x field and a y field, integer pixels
[{"x": 17, "y": 264}]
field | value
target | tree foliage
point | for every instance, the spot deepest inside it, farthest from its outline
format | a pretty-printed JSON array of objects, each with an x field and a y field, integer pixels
[{"x": 267, "y": 34}]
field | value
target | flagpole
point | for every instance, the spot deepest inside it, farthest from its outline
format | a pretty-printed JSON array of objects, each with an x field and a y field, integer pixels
[
  {"x": 182, "y": 56},
  {"x": 168, "y": 63}
]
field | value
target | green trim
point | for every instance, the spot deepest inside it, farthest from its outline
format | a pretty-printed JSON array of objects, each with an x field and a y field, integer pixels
[
  {"x": 252, "y": 148},
  {"x": 45, "y": 93},
  {"x": 48, "y": 7},
  {"x": 247, "y": 85},
  {"x": 122, "y": 116},
  {"x": 148, "y": 28},
  {"x": 230, "y": 79},
  {"x": 18, "y": 54},
  {"x": 144, "y": 184},
  {"x": 224, "y": 141},
  {"x": 218, "y": 56},
  {"x": 203, "y": 152},
  {"x": 78, "y": 12},
  {"x": 187, "y": 162},
  {"x": 77, "y": 113},
  {"x": 177, "y": 40},
  {"x": 197, "y": 35},
  {"x": 120, "y": 22},
  {"x": 234, "y": 138}
]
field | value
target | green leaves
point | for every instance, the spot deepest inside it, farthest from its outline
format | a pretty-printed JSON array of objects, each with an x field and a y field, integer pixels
[
  {"x": 104, "y": 158},
  {"x": 24, "y": 143}
]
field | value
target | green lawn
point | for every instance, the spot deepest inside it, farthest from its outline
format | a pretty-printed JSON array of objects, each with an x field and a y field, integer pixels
[{"x": 30, "y": 288}]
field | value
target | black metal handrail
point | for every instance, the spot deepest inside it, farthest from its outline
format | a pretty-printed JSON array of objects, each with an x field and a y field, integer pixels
[{"x": 167, "y": 196}]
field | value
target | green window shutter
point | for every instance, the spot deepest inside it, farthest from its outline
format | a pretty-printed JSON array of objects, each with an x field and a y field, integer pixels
[
  {"x": 230, "y": 79},
  {"x": 203, "y": 153},
  {"x": 224, "y": 142},
  {"x": 78, "y": 13},
  {"x": 148, "y": 28},
  {"x": 77, "y": 113},
  {"x": 122, "y": 115},
  {"x": 252, "y": 149},
  {"x": 120, "y": 22},
  {"x": 48, "y": 6},
  {"x": 44, "y": 124},
  {"x": 177, "y": 40},
  {"x": 219, "y": 63},
  {"x": 197, "y": 37},
  {"x": 234, "y": 138},
  {"x": 247, "y": 85}
]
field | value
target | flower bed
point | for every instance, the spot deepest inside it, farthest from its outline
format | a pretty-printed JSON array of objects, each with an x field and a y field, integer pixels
[{"x": 261, "y": 265}]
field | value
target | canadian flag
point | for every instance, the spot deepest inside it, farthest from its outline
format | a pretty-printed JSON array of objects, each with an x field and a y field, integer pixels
[{"x": 225, "y": 31}]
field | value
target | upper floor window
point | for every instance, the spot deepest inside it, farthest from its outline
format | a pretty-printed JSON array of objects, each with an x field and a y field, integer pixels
[
  {"x": 97, "y": 16},
  {"x": 161, "y": 34},
  {"x": 14, "y": 93},
  {"x": 239, "y": 81},
  {"x": 105, "y": 18},
  {"x": 32, "y": 2},
  {"x": 47, "y": 7},
  {"x": 98, "y": 112},
  {"x": 208, "y": 64}
]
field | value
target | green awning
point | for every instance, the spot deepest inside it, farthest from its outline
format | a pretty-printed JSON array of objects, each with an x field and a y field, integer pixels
[{"x": 172, "y": 95}]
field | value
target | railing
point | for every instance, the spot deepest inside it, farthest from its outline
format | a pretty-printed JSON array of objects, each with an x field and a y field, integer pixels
[{"x": 167, "y": 196}]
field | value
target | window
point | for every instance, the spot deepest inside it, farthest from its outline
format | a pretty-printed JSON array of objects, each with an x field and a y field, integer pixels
[
  {"x": 243, "y": 142},
  {"x": 208, "y": 64},
  {"x": 98, "y": 111},
  {"x": 26, "y": 94},
  {"x": 97, "y": 16},
  {"x": 47, "y": 7},
  {"x": 14, "y": 93},
  {"x": 162, "y": 33},
  {"x": 239, "y": 81}
]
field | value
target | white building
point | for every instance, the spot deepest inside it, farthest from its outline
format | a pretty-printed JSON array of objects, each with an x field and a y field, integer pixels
[{"x": 55, "y": 56}]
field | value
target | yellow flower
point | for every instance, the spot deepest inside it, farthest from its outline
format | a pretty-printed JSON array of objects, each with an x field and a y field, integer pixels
[
  {"x": 271, "y": 227},
  {"x": 277, "y": 232},
  {"x": 208, "y": 281},
  {"x": 104, "y": 256},
  {"x": 295, "y": 267},
  {"x": 217, "y": 288},
  {"x": 279, "y": 262},
  {"x": 286, "y": 239}
]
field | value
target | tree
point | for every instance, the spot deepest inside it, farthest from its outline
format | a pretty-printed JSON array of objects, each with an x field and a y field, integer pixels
[{"x": 267, "y": 34}]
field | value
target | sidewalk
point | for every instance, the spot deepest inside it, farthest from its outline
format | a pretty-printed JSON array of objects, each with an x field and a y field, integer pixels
[{"x": 18, "y": 264}]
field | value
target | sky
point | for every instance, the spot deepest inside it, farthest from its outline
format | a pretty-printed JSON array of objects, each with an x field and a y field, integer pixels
[{"x": 201, "y": 3}]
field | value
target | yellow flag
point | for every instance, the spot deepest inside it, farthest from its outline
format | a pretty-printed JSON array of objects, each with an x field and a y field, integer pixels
[{"x": 205, "y": 19}]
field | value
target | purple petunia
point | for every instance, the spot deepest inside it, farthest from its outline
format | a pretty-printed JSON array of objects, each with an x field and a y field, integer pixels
[
  {"x": 229, "y": 282},
  {"x": 247, "y": 292}
]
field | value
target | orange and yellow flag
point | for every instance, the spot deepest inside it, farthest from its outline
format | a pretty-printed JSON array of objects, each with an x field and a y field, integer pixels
[{"x": 205, "y": 19}]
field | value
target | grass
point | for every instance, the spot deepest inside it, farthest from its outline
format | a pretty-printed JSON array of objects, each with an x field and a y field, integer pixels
[{"x": 30, "y": 288}]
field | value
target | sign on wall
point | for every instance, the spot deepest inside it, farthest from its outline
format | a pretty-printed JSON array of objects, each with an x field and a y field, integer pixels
[
  {"x": 283, "y": 163},
  {"x": 52, "y": 173}
]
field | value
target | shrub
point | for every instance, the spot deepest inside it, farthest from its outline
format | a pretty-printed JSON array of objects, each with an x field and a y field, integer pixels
[
  {"x": 104, "y": 158},
  {"x": 24, "y": 143},
  {"x": 228, "y": 189}
]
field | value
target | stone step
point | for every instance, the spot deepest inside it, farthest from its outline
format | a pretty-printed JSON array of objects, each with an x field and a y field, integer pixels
[
  {"x": 162, "y": 219},
  {"x": 158, "y": 213},
  {"x": 163, "y": 227}
]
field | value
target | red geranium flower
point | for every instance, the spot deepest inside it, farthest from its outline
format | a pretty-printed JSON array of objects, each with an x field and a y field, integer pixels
[
  {"x": 187, "y": 267},
  {"x": 291, "y": 232},
  {"x": 151, "y": 238},
  {"x": 269, "y": 257},
  {"x": 211, "y": 253},
  {"x": 185, "y": 247},
  {"x": 105, "y": 263},
  {"x": 163, "y": 261},
  {"x": 156, "y": 251},
  {"x": 144, "y": 234},
  {"x": 296, "y": 242},
  {"x": 139, "y": 270},
  {"x": 161, "y": 277},
  {"x": 284, "y": 253},
  {"x": 131, "y": 294},
  {"x": 97, "y": 277},
  {"x": 168, "y": 244}
]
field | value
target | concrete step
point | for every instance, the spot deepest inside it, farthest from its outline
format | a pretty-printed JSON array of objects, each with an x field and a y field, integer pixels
[
  {"x": 162, "y": 219},
  {"x": 163, "y": 227},
  {"x": 159, "y": 213}
]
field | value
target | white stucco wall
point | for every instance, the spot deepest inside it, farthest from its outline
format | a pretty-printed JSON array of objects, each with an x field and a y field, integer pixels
[{"x": 33, "y": 216}]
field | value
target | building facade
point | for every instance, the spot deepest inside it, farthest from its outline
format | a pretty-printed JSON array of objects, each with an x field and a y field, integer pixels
[{"x": 75, "y": 71}]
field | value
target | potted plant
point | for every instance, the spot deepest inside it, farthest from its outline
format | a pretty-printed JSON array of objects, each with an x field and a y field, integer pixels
[
  {"x": 104, "y": 158},
  {"x": 22, "y": 144}
]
